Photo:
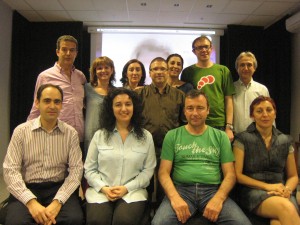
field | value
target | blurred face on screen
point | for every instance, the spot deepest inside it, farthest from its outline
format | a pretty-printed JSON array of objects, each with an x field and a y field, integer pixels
[
  {"x": 202, "y": 49},
  {"x": 159, "y": 73}
]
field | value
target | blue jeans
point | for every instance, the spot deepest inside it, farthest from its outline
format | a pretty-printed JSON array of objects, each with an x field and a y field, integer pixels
[{"x": 197, "y": 196}]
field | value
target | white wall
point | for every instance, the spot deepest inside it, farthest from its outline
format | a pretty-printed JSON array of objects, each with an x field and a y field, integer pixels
[
  {"x": 295, "y": 95},
  {"x": 5, "y": 55}
]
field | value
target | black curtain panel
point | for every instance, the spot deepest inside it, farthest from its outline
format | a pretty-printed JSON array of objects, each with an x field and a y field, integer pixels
[
  {"x": 239, "y": 39},
  {"x": 33, "y": 50},
  {"x": 277, "y": 70}
]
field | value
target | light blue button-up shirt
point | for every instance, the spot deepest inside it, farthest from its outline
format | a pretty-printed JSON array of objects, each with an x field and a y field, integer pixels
[{"x": 114, "y": 163}]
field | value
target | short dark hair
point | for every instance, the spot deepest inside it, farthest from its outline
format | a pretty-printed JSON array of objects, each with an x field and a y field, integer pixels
[
  {"x": 44, "y": 86},
  {"x": 260, "y": 99},
  {"x": 175, "y": 55},
  {"x": 108, "y": 119},
  {"x": 201, "y": 38},
  {"x": 194, "y": 93},
  {"x": 66, "y": 38},
  {"x": 124, "y": 78},
  {"x": 157, "y": 59}
]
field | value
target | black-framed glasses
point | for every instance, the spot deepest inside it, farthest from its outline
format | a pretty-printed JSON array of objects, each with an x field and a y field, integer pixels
[
  {"x": 202, "y": 47},
  {"x": 156, "y": 69}
]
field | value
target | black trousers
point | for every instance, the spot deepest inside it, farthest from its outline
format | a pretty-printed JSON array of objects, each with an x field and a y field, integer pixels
[
  {"x": 70, "y": 214},
  {"x": 115, "y": 213}
]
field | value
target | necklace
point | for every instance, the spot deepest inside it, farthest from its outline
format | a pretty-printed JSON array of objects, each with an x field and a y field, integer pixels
[{"x": 267, "y": 140}]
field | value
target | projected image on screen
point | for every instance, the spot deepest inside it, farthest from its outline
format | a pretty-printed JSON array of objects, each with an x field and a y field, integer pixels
[{"x": 121, "y": 47}]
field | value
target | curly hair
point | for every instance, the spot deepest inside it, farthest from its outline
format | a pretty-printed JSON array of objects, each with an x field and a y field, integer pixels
[
  {"x": 108, "y": 119},
  {"x": 103, "y": 60},
  {"x": 124, "y": 78}
]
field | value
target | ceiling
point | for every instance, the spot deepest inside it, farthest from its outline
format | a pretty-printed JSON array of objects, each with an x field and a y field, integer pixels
[{"x": 157, "y": 13}]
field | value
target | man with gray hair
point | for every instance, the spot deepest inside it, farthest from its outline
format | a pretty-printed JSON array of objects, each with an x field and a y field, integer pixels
[{"x": 246, "y": 90}]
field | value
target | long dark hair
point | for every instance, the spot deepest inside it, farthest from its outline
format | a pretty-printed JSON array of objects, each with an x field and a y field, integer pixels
[{"x": 108, "y": 119}]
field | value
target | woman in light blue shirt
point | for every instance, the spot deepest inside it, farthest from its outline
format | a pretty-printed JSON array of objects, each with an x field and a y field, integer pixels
[{"x": 120, "y": 162}]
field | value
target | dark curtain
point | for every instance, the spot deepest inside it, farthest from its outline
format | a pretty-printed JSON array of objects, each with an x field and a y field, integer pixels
[
  {"x": 272, "y": 48},
  {"x": 33, "y": 50},
  {"x": 277, "y": 70},
  {"x": 238, "y": 39}
]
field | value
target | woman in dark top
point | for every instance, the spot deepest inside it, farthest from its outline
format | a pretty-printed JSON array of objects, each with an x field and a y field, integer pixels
[
  {"x": 175, "y": 65},
  {"x": 265, "y": 166}
]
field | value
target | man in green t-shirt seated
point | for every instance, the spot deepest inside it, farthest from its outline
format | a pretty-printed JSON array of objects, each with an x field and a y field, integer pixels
[{"x": 199, "y": 156}]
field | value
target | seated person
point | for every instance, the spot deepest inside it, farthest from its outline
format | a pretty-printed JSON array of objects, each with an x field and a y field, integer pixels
[
  {"x": 43, "y": 167},
  {"x": 199, "y": 155},
  {"x": 120, "y": 162},
  {"x": 265, "y": 167}
]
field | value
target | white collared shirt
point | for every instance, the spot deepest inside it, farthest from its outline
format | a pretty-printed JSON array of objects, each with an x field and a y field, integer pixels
[{"x": 242, "y": 100}]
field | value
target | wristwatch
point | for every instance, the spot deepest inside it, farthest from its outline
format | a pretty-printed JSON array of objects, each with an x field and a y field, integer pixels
[{"x": 229, "y": 125}]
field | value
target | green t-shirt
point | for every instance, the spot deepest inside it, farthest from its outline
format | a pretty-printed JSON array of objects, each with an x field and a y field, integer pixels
[
  {"x": 216, "y": 81},
  {"x": 197, "y": 158}
]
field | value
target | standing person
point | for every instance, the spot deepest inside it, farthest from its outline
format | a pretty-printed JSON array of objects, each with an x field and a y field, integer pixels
[
  {"x": 133, "y": 74},
  {"x": 162, "y": 104},
  {"x": 162, "y": 109},
  {"x": 71, "y": 80},
  {"x": 175, "y": 64},
  {"x": 246, "y": 90},
  {"x": 102, "y": 78},
  {"x": 120, "y": 163},
  {"x": 200, "y": 160},
  {"x": 265, "y": 167},
  {"x": 216, "y": 81},
  {"x": 43, "y": 167}
]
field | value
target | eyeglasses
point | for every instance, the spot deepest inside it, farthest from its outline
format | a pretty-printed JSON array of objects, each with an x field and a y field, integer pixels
[
  {"x": 202, "y": 47},
  {"x": 156, "y": 69}
]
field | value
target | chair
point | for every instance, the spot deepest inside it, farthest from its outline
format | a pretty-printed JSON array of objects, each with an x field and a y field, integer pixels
[{"x": 3, "y": 210}]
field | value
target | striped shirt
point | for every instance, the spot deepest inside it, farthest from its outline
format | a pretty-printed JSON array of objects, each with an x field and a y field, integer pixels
[{"x": 36, "y": 156}]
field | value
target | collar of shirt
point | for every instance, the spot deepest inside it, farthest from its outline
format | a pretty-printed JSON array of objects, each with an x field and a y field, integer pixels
[
  {"x": 248, "y": 85},
  {"x": 155, "y": 89},
  {"x": 116, "y": 130},
  {"x": 252, "y": 128},
  {"x": 37, "y": 125},
  {"x": 60, "y": 69}
]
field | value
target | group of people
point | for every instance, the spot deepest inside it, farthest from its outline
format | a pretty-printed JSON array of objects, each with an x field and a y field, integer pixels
[{"x": 178, "y": 129}]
